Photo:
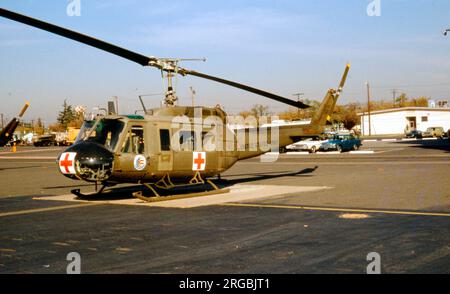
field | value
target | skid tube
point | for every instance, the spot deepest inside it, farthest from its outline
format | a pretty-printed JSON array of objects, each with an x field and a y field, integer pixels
[{"x": 166, "y": 184}]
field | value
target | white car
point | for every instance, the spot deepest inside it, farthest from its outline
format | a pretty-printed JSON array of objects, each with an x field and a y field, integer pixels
[{"x": 311, "y": 145}]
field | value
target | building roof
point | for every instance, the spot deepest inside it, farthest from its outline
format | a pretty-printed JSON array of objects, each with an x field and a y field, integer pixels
[{"x": 409, "y": 108}]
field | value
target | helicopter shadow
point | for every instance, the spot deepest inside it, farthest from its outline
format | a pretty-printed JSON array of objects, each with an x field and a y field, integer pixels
[
  {"x": 121, "y": 193},
  {"x": 439, "y": 144},
  {"x": 264, "y": 176}
]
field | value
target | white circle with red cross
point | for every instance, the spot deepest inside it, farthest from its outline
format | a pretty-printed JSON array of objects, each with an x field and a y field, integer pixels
[
  {"x": 67, "y": 163},
  {"x": 140, "y": 162},
  {"x": 198, "y": 161}
]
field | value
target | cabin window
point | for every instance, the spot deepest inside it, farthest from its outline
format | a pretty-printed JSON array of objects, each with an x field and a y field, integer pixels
[
  {"x": 164, "y": 138},
  {"x": 134, "y": 142},
  {"x": 187, "y": 140},
  {"x": 424, "y": 118}
]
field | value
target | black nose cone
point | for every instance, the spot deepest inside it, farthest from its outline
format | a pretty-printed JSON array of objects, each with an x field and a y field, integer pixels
[{"x": 88, "y": 161}]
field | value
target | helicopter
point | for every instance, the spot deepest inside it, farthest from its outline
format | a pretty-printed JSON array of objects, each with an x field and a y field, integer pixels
[
  {"x": 7, "y": 132},
  {"x": 171, "y": 146}
]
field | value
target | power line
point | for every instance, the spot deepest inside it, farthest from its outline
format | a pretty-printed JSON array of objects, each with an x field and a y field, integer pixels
[{"x": 411, "y": 86}]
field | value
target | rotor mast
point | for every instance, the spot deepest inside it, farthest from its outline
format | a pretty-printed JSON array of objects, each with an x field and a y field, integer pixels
[{"x": 169, "y": 69}]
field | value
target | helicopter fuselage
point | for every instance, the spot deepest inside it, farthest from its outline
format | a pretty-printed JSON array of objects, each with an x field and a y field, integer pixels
[{"x": 167, "y": 141}]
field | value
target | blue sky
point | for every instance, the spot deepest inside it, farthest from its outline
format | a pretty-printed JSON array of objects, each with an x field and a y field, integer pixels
[{"x": 280, "y": 46}]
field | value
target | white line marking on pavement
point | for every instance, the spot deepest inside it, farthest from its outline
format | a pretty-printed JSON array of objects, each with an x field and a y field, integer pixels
[
  {"x": 28, "y": 151},
  {"x": 389, "y": 140},
  {"x": 362, "y": 152}
]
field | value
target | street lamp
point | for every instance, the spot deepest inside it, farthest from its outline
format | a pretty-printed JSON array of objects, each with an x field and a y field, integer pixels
[{"x": 446, "y": 32}]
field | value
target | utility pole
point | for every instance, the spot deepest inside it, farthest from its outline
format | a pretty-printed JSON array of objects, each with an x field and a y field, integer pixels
[
  {"x": 298, "y": 100},
  {"x": 192, "y": 96},
  {"x": 368, "y": 107},
  {"x": 394, "y": 91}
]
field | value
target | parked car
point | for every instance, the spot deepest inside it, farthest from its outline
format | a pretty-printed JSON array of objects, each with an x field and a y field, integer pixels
[
  {"x": 414, "y": 134},
  {"x": 311, "y": 145},
  {"x": 342, "y": 142},
  {"x": 437, "y": 132}
]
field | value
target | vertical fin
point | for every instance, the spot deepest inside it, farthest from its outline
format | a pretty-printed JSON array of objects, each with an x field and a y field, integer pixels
[{"x": 328, "y": 103}]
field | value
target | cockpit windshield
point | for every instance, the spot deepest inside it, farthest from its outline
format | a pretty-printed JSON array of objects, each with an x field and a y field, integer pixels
[{"x": 102, "y": 131}]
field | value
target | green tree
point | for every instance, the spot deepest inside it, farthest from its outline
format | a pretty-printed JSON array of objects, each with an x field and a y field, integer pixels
[
  {"x": 402, "y": 100},
  {"x": 39, "y": 126},
  {"x": 259, "y": 110},
  {"x": 346, "y": 115},
  {"x": 67, "y": 115}
]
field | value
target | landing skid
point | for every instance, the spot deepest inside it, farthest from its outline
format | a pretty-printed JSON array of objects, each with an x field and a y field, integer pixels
[
  {"x": 166, "y": 184},
  {"x": 77, "y": 192}
]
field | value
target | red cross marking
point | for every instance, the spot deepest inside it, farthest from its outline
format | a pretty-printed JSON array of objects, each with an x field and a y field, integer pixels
[
  {"x": 66, "y": 163},
  {"x": 199, "y": 161}
]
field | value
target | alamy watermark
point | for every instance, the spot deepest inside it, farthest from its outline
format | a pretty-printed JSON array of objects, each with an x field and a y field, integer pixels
[
  {"x": 73, "y": 8},
  {"x": 374, "y": 8},
  {"x": 74, "y": 266},
  {"x": 254, "y": 135},
  {"x": 374, "y": 266}
]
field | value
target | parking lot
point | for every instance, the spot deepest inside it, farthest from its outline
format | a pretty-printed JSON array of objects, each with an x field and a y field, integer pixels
[{"x": 321, "y": 213}]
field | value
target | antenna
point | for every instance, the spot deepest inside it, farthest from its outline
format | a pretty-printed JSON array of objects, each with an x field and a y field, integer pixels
[{"x": 142, "y": 102}]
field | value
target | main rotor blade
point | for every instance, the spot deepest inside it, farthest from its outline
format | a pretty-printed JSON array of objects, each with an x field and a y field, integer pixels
[
  {"x": 127, "y": 54},
  {"x": 246, "y": 88},
  {"x": 136, "y": 57}
]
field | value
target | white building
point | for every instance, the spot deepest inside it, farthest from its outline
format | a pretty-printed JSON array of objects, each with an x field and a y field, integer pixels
[{"x": 397, "y": 120}]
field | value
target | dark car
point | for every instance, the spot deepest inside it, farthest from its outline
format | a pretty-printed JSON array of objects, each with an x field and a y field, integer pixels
[
  {"x": 414, "y": 134},
  {"x": 342, "y": 143}
]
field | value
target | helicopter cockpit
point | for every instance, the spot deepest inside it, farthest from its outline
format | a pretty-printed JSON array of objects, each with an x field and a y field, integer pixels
[
  {"x": 102, "y": 131},
  {"x": 91, "y": 157}
]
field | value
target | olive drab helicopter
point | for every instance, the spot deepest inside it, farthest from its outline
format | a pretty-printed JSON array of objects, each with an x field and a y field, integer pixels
[{"x": 166, "y": 147}]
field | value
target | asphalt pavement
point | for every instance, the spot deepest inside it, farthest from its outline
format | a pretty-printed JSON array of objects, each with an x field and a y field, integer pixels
[{"x": 394, "y": 202}]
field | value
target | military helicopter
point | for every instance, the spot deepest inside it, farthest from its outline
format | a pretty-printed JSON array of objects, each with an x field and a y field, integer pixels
[
  {"x": 7, "y": 132},
  {"x": 170, "y": 146}
]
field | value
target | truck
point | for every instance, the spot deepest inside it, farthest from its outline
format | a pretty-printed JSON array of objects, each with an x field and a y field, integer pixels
[{"x": 44, "y": 140}]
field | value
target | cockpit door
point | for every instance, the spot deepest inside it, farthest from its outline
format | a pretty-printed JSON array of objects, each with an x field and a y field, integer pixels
[
  {"x": 165, "y": 156},
  {"x": 133, "y": 161}
]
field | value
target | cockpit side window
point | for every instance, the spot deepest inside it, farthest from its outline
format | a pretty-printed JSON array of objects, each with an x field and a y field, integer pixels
[
  {"x": 164, "y": 137},
  {"x": 134, "y": 141}
]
